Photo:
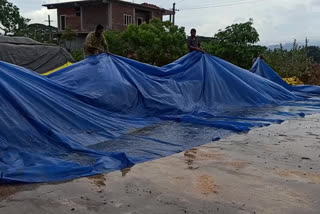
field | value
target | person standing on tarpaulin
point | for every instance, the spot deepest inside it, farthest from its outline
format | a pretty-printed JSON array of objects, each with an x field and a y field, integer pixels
[
  {"x": 194, "y": 43},
  {"x": 96, "y": 43}
]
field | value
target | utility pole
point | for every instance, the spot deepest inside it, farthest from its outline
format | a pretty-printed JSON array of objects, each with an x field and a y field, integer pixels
[
  {"x": 50, "y": 30},
  {"x": 174, "y": 13}
]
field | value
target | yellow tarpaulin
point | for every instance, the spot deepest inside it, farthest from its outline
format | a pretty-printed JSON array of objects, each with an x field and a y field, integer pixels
[{"x": 57, "y": 69}]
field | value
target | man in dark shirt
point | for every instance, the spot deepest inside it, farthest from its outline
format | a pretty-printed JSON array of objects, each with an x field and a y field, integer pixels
[{"x": 194, "y": 43}]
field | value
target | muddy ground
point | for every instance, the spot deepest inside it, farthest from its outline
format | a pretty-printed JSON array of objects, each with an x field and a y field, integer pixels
[{"x": 275, "y": 169}]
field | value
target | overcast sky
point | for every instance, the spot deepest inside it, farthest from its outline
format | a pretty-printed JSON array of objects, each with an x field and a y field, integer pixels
[{"x": 276, "y": 20}]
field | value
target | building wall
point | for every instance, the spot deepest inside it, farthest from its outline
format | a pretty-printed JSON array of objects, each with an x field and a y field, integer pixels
[
  {"x": 143, "y": 14},
  {"x": 111, "y": 16},
  {"x": 118, "y": 11},
  {"x": 72, "y": 20},
  {"x": 158, "y": 15},
  {"x": 94, "y": 15}
]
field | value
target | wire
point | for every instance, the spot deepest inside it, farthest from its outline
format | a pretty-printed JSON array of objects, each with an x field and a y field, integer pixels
[
  {"x": 221, "y": 5},
  {"x": 218, "y": 3},
  {"x": 180, "y": 1}
]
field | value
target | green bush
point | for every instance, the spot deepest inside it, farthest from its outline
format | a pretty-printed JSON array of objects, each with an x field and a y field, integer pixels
[
  {"x": 77, "y": 55},
  {"x": 289, "y": 63},
  {"x": 156, "y": 43},
  {"x": 236, "y": 44}
]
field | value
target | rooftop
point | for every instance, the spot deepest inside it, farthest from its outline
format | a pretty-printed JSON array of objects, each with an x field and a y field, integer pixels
[{"x": 92, "y": 2}]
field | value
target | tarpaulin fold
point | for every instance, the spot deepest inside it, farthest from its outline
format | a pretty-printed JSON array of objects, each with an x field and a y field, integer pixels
[{"x": 196, "y": 82}]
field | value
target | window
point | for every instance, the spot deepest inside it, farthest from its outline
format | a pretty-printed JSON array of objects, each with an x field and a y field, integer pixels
[
  {"x": 63, "y": 23},
  {"x": 139, "y": 20},
  {"x": 127, "y": 19},
  {"x": 78, "y": 11}
]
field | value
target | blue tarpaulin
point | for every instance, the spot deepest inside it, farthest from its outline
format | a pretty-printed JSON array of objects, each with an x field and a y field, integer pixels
[
  {"x": 262, "y": 69},
  {"x": 196, "y": 82},
  {"x": 108, "y": 112}
]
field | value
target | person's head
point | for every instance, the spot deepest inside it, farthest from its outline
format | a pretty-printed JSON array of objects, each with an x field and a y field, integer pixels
[
  {"x": 193, "y": 32},
  {"x": 99, "y": 30}
]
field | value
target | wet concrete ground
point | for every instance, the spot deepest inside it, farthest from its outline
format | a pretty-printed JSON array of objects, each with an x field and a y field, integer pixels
[{"x": 274, "y": 169}]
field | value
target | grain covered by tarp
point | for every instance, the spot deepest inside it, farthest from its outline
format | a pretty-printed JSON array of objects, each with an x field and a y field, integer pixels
[{"x": 31, "y": 54}]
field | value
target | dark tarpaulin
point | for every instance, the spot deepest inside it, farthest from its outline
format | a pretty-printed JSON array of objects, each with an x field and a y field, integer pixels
[
  {"x": 107, "y": 113},
  {"x": 31, "y": 54}
]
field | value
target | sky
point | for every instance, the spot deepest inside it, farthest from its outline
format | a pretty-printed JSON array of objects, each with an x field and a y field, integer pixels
[{"x": 277, "y": 21}]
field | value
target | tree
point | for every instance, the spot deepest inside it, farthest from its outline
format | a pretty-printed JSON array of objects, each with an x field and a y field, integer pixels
[
  {"x": 314, "y": 52},
  {"x": 67, "y": 37},
  {"x": 38, "y": 32},
  {"x": 242, "y": 33},
  {"x": 289, "y": 63},
  {"x": 115, "y": 42},
  {"x": 156, "y": 43},
  {"x": 236, "y": 44},
  {"x": 11, "y": 22}
]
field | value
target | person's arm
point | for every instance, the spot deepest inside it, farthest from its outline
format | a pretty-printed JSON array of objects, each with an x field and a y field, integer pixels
[
  {"x": 195, "y": 48},
  {"x": 93, "y": 49}
]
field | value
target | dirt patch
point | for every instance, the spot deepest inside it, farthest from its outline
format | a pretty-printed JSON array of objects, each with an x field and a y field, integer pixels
[
  {"x": 179, "y": 178},
  {"x": 199, "y": 155},
  {"x": 125, "y": 171},
  {"x": 7, "y": 190},
  {"x": 204, "y": 155},
  {"x": 98, "y": 180},
  {"x": 214, "y": 155},
  {"x": 300, "y": 198},
  {"x": 190, "y": 155},
  {"x": 206, "y": 185},
  {"x": 311, "y": 177},
  {"x": 238, "y": 164}
]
